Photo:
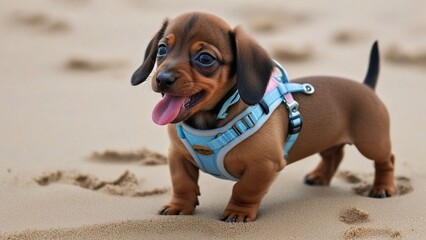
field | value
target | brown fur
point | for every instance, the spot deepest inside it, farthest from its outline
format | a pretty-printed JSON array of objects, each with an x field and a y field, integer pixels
[{"x": 340, "y": 112}]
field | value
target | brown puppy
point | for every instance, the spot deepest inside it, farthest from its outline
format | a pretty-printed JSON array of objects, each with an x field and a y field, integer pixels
[{"x": 200, "y": 61}]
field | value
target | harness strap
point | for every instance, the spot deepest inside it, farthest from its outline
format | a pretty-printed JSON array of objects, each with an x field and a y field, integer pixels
[
  {"x": 210, "y": 147},
  {"x": 294, "y": 117},
  {"x": 231, "y": 101},
  {"x": 250, "y": 120}
]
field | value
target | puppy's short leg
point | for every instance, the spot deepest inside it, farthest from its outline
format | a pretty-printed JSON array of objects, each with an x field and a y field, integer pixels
[
  {"x": 325, "y": 170},
  {"x": 185, "y": 188},
  {"x": 372, "y": 138},
  {"x": 384, "y": 185},
  {"x": 249, "y": 191}
]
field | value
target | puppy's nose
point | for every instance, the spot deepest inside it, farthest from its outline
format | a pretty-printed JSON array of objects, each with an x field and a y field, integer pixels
[{"x": 165, "y": 80}]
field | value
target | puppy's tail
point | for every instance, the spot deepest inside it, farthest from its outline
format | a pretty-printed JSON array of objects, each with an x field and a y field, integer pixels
[{"x": 373, "y": 67}]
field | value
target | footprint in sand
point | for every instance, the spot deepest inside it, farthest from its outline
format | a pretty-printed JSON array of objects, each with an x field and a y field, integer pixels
[
  {"x": 348, "y": 36},
  {"x": 290, "y": 53},
  {"x": 397, "y": 54},
  {"x": 371, "y": 233},
  {"x": 363, "y": 183},
  {"x": 355, "y": 215},
  {"x": 41, "y": 21},
  {"x": 142, "y": 157},
  {"x": 125, "y": 185},
  {"x": 92, "y": 65}
]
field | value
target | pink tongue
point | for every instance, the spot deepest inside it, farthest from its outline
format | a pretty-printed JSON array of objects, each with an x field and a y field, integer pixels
[{"x": 167, "y": 109}]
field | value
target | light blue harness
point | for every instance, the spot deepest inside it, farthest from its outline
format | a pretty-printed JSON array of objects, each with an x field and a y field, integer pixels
[{"x": 209, "y": 147}]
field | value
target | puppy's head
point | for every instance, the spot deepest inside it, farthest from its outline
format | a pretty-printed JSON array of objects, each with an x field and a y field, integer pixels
[{"x": 199, "y": 59}]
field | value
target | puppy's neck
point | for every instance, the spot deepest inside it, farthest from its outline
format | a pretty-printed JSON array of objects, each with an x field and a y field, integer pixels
[
  {"x": 205, "y": 120},
  {"x": 202, "y": 120}
]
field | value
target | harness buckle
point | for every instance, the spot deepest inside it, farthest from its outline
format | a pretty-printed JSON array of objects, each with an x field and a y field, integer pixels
[
  {"x": 294, "y": 124},
  {"x": 293, "y": 108},
  {"x": 247, "y": 121},
  {"x": 294, "y": 118}
]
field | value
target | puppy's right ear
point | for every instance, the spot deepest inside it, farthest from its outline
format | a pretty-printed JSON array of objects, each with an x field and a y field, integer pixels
[{"x": 142, "y": 73}]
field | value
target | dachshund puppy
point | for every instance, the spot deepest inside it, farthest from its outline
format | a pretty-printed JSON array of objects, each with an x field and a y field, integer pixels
[{"x": 198, "y": 63}]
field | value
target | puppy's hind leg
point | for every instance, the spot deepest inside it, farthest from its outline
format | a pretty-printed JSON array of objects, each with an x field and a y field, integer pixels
[
  {"x": 375, "y": 145},
  {"x": 324, "y": 172},
  {"x": 384, "y": 163},
  {"x": 384, "y": 185}
]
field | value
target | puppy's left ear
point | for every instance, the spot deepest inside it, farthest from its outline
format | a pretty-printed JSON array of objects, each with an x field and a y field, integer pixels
[
  {"x": 253, "y": 67},
  {"x": 142, "y": 73}
]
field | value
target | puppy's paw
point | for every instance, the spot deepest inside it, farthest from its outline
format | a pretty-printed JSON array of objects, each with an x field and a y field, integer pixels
[
  {"x": 236, "y": 214},
  {"x": 382, "y": 191},
  {"x": 237, "y": 217},
  {"x": 179, "y": 206},
  {"x": 176, "y": 210},
  {"x": 314, "y": 179}
]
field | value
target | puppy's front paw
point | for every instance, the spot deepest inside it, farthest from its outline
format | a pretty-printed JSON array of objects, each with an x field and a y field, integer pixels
[
  {"x": 174, "y": 210},
  {"x": 177, "y": 210},
  {"x": 236, "y": 213},
  {"x": 178, "y": 206}
]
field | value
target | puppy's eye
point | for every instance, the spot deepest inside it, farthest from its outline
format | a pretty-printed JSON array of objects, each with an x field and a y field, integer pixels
[
  {"x": 205, "y": 59},
  {"x": 162, "y": 50}
]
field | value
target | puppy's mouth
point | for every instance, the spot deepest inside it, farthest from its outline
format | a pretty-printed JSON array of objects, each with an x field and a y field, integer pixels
[{"x": 171, "y": 108}]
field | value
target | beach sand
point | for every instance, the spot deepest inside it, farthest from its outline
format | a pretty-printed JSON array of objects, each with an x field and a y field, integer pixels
[{"x": 80, "y": 157}]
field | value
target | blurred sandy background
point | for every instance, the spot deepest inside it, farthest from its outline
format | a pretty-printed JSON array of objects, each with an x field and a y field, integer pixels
[{"x": 73, "y": 130}]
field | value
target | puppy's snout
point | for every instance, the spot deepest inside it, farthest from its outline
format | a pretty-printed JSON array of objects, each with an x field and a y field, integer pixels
[{"x": 165, "y": 80}]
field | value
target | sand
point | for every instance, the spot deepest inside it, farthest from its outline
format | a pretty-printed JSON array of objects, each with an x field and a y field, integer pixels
[
  {"x": 142, "y": 156},
  {"x": 371, "y": 233},
  {"x": 125, "y": 185},
  {"x": 354, "y": 215},
  {"x": 80, "y": 157}
]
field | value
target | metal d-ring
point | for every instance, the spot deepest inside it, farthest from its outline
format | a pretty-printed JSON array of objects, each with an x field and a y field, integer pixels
[
  {"x": 308, "y": 88},
  {"x": 284, "y": 77}
]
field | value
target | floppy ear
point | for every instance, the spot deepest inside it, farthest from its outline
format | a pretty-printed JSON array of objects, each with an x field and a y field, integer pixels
[
  {"x": 253, "y": 67},
  {"x": 142, "y": 73}
]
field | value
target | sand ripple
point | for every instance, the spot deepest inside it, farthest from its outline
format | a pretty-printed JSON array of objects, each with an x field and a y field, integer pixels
[{"x": 125, "y": 185}]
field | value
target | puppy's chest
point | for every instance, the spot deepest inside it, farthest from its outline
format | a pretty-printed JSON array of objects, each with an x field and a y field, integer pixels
[{"x": 230, "y": 160}]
